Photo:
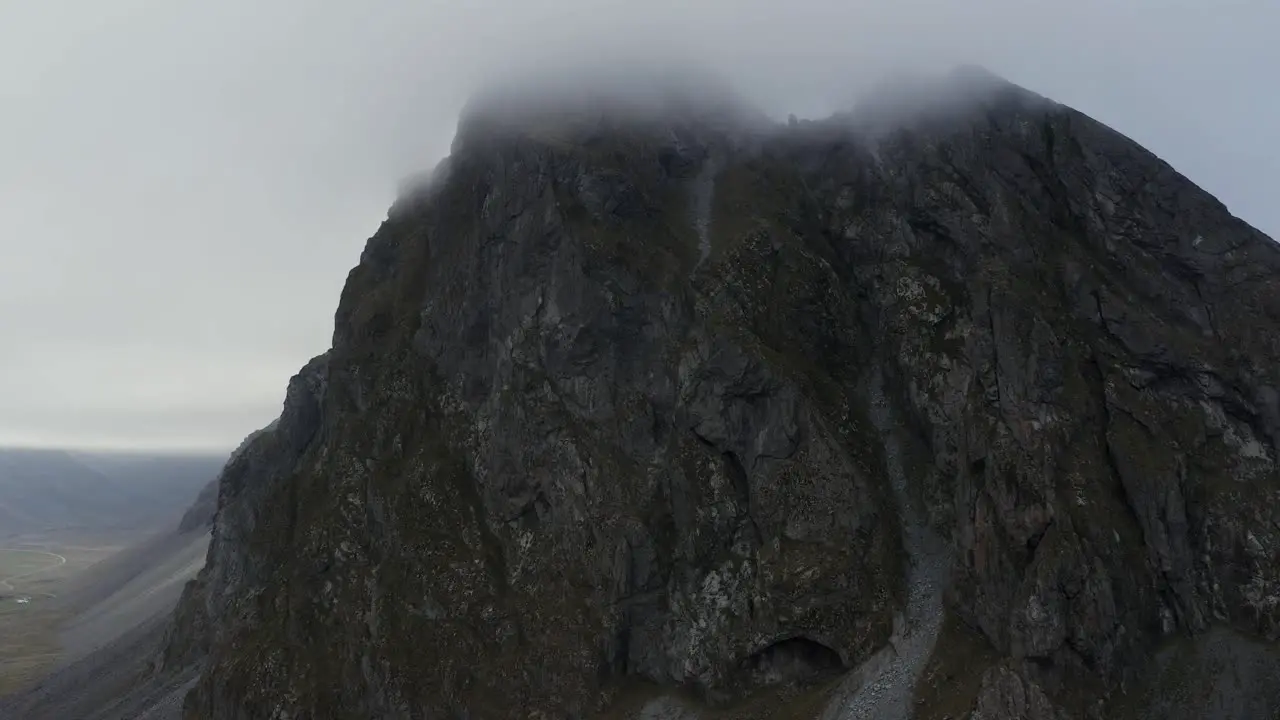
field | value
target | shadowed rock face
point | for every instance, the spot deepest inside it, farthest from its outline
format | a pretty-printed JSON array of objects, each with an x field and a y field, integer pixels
[
  {"x": 213, "y": 604},
  {"x": 202, "y": 512},
  {"x": 575, "y": 430}
]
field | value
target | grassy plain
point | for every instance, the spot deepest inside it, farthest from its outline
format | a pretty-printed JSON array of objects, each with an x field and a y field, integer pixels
[{"x": 33, "y": 572}]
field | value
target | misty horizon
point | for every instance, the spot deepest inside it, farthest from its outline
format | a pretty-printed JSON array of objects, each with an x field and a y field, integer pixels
[{"x": 188, "y": 190}]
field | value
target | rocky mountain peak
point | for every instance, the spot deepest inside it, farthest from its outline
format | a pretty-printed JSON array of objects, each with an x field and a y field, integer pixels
[{"x": 974, "y": 415}]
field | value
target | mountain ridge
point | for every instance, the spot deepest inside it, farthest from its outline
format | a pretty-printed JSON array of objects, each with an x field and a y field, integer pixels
[{"x": 43, "y": 489}]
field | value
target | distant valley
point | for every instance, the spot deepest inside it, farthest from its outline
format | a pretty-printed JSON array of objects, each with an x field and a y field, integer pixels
[
  {"x": 58, "y": 490},
  {"x": 90, "y": 547}
]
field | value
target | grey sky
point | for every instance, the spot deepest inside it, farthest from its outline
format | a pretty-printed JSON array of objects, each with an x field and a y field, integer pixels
[{"x": 184, "y": 185}]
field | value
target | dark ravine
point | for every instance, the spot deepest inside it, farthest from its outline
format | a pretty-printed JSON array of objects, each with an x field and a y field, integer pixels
[{"x": 966, "y": 406}]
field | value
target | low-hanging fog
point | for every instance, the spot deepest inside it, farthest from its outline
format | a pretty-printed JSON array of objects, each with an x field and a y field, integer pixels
[{"x": 183, "y": 185}]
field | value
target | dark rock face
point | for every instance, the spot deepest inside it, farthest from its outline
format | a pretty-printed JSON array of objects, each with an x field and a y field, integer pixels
[
  {"x": 222, "y": 594},
  {"x": 681, "y": 401}
]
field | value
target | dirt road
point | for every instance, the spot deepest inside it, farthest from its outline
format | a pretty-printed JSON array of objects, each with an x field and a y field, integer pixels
[{"x": 6, "y": 583}]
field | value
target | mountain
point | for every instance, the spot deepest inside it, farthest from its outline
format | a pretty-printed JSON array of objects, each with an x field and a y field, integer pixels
[
  {"x": 44, "y": 490},
  {"x": 959, "y": 405}
]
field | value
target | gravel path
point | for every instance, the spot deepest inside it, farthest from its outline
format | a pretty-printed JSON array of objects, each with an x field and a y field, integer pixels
[{"x": 884, "y": 686}]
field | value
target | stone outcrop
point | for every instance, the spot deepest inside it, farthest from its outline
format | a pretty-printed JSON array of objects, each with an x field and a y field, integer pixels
[{"x": 672, "y": 414}]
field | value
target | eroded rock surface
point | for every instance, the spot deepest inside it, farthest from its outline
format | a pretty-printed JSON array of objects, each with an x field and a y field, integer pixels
[{"x": 728, "y": 412}]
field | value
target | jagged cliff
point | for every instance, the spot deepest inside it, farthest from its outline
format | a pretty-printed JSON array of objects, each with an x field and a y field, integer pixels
[{"x": 962, "y": 404}]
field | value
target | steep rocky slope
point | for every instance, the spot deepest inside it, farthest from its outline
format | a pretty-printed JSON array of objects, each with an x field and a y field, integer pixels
[{"x": 962, "y": 404}]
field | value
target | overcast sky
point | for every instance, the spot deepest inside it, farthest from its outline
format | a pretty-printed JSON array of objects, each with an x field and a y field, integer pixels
[{"x": 184, "y": 185}]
